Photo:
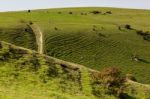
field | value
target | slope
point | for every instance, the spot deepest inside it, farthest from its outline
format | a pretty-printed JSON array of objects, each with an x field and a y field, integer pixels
[
  {"x": 94, "y": 40},
  {"x": 27, "y": 74}
]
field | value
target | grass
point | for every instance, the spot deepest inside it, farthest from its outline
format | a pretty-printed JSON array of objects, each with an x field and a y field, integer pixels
[
  {"x": 20, "y": 35},
  {"x": 137, "y": 90},
  {"x": 91, "y": 40},
  {"x": 85, "y": 80},
  {"x": 27, "y": 74}
]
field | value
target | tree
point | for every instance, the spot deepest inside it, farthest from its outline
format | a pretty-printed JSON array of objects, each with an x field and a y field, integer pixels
[
  {"x": 111, "y": 78},
  {"x": 29, "y": 11}
]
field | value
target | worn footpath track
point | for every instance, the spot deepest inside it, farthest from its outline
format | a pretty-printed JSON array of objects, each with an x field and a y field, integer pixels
[{"x": 39, "y": 37}]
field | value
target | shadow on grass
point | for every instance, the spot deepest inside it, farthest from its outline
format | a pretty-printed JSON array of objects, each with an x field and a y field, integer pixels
[
  {"x": 126, "y": 96},
  {"x": 144, "y": 61}
]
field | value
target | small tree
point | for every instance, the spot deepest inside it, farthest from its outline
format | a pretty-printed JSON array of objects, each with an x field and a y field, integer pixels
[
  {"x": 127, "y": 26},
  {"x": 70, "y": 12},
  {"x": 109, "y": 12},
  {"x": 59, "y": 12},
  {"x": 96, "y": 12},
  {"x": 112, "y": 79},
  {"x": 29, "y": 11}
]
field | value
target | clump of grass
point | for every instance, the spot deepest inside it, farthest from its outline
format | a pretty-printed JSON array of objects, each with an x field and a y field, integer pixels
[{"x": 146, "y": 34}]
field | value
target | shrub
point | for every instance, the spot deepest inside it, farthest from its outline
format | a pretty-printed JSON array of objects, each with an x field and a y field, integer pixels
[
  {"x": 70, "y": 12},
  {"x": 95, "y": 12},
  {"x": 95, "y": 75},
  {"x": 111, "y": 76},
  {"x": 108, "y": 12},
  {"x": 56, "y": 28},
  {"x": 112, "y": 79},
  {"x": 139, "y": 32},
  {"x": 29, "y": 11},
  {"x": 94, "y": 29},
  {"x": 30, "y": 23},
  {"x": 127, "y": 26},
  {"x": 119, "y": 27},
  {"x": 147, "y": 37},
  {"x": 59, "y": 12}
]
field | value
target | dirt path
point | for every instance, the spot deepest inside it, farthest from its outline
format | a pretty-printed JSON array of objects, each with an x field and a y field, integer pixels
[
  {"x": 39, "y": 37},
  {"x": 138, "y": 84}
]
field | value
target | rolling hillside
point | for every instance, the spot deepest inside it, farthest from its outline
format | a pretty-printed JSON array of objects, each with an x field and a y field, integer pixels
[
  {"x": 25, "y": 74},
  {"x": 94, "y": 37}
]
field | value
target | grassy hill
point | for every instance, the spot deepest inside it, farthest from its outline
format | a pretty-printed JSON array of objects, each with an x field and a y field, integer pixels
[
  {"x": 78, "y": 35},
  {"x": 25, "y": 74}
]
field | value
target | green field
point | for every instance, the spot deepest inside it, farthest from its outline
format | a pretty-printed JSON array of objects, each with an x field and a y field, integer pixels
[
  {"x": 93, "y": 40},
  {"x": 25, "y": 74}
]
